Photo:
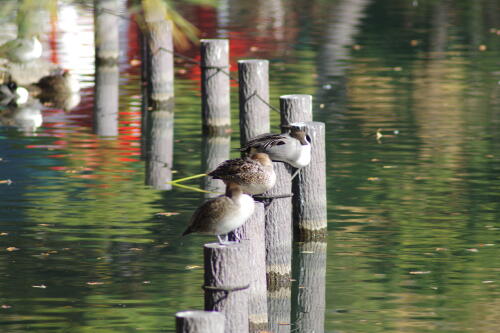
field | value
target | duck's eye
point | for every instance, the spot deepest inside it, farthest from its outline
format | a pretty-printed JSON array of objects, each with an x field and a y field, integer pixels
[
  {"x": 308, "y": 138},
  {"x": 279, "y": 143}
]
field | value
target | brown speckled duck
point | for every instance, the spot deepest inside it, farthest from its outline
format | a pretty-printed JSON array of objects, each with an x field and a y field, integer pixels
[
  {"x": 223, "y": 214},
  {"x": 255, "y": 174}
]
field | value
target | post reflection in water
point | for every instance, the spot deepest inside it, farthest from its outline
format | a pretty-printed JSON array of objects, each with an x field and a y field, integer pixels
[
  {"x": 106, "y": 70},
  {"x": 308, "y": 292},
  {"x": 160, "y": 148}
]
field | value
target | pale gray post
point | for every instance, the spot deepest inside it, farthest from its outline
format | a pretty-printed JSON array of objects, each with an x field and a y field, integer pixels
[
  {"x": 309, "y": 188},
  {"x": 215, "y": 95},
  {"x": 215, "y": 150},
  {"x": 197, "y": 321},
  {"x": 160, "y": 118},
  {"x": 295, "y": 108},
  {"x": 161, "y": 48},
  {"x": 309, "y": 218},
  {"x": 227, "y": 280},
  {"x": 106, "y": 59},
  {"x": 254, "y": 98},
  {"x": 279, "y": 250},
  {"x": 253, "y": 232}
]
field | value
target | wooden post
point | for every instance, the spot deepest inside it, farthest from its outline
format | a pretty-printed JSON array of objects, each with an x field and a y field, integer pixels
[
  {"x": 310, "y": 224},
  {"x": 253, "y": 232},
  {"x": 215, "y": 150},
  {"x": 309, "y": 188},
  {"x": 309, "y": 218},
  {"x": 160, "y": 118},
  {"x": 161, "y": 48},
  {"x": 295, "y": 108},
  {"x": 216, "y": 112},
  {"x": 279, "y": 250},
  {"x": 197, "y": 321},
  {"x": 254, "y": 98},
  {"x": 106, "y": 59},
  {"x": 227, "y": 278}
]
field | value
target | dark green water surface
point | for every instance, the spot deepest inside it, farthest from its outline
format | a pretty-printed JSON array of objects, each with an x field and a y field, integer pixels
[{"x": 413, "y": 213}]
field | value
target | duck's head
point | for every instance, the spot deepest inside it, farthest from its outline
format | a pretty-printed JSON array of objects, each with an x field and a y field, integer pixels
[{"x": 302, "y": 136}]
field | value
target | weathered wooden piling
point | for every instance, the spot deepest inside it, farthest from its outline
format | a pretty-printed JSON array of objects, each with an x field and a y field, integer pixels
[
  {"x": 279, "y": 249},
  {"x": 161, "y": 48},
  {"x": 227, "y": 280},
  {"x": 295, "y": 108},
  {"x": 196, "y": 321},
  {"x": 253, "y": 232},
  {"x": 160, "y": 116},
  {"x": 106, "y": 59},
  {"x": 253, "y": 77},
  {"x": 216, "y": 115},
  {"x": 215, "y": 150},
  {"x": 309, "y": 188},
  {"x": 309, "y": 218},
  {"x": 310, "y": 229}
]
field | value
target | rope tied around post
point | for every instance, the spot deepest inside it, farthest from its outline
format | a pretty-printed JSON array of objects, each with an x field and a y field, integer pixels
[{"x": 226, "y": 290}]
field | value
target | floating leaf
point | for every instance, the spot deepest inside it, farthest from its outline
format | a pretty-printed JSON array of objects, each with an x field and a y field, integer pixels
[
  {"x": 373, "y": 179},
  {"x": 190, "y": 267},
  {"x": 167, "y": 214}
]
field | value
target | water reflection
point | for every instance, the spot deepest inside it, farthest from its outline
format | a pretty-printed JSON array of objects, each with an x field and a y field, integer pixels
[
  {"x": 107, "y": 72},
  {"x": 26, "y": 117},
  {"x": 413, "y": 217}
]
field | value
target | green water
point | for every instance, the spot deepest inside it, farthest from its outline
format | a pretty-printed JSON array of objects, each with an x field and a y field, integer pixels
[{"x": 413, "y": 216}]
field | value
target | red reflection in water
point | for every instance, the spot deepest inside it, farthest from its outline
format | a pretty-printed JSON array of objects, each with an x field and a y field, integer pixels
[{"x": 104, "y": 157}]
